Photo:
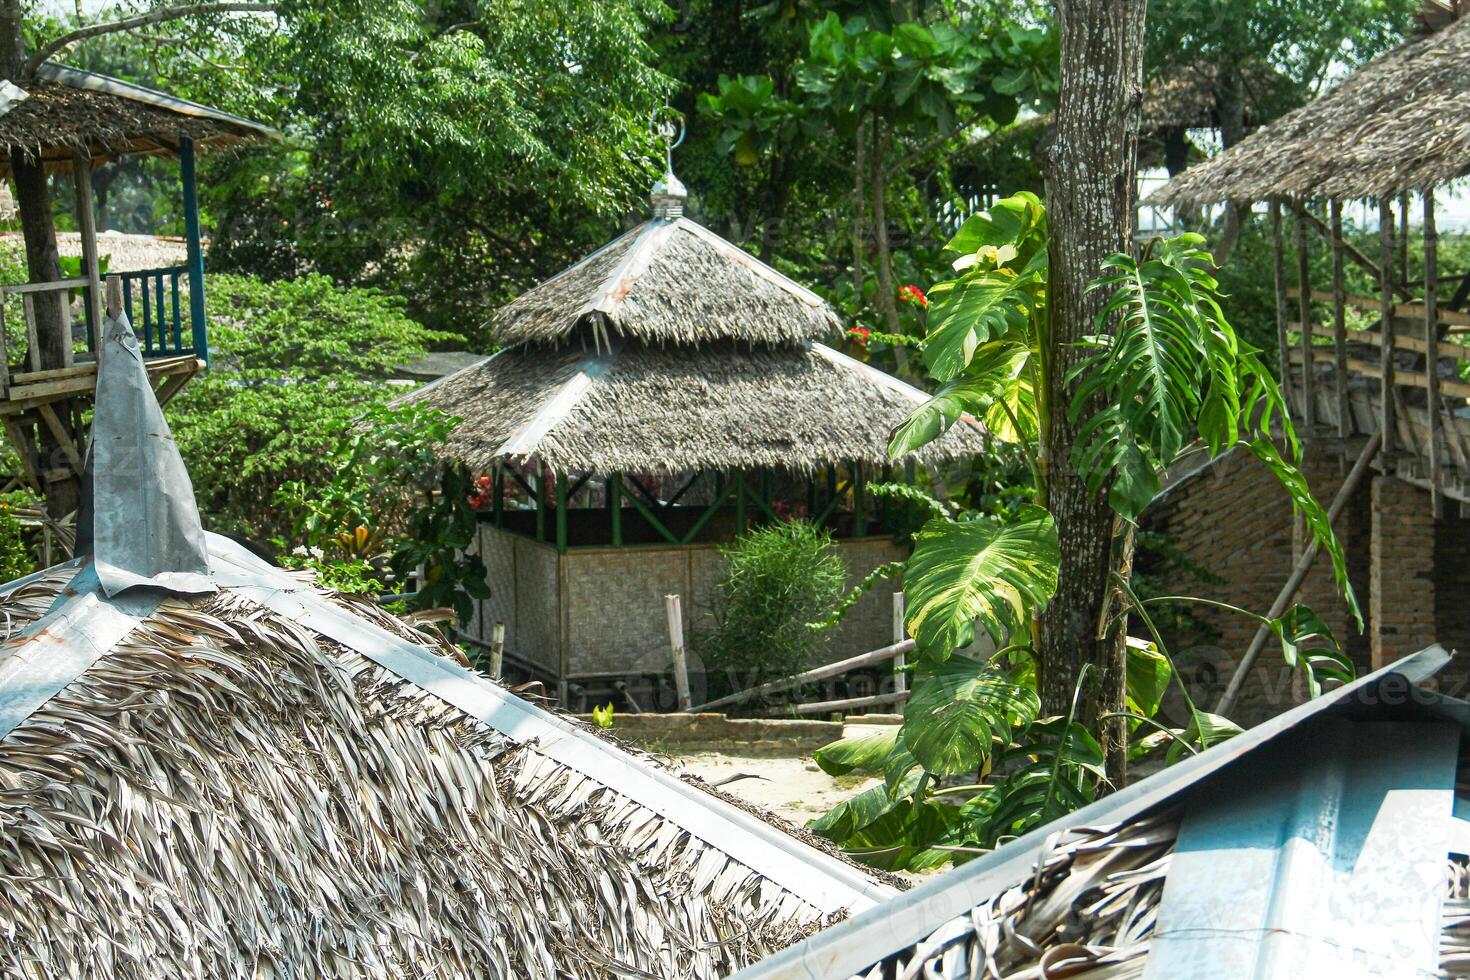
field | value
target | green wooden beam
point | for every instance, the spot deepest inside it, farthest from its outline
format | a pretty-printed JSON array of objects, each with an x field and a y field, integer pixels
[
  {"x": 648, "y": 514},
  {"x": 761, "y": 502},
  {"x": 837, "y": 492},
  {"x": 859, "y": 515},
  {"x": 738, "y": 481},
  {"x": 530, "y": 491},
  {"x": 541, "y": 502},
  {"x": 709, "y": 512},
  {"x": 497, "y": 487},
  {"x": 561, "y": 512},
  {"x": 615, "y": 507}
]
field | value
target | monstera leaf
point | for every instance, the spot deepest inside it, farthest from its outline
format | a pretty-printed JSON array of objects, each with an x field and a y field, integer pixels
[
  {"x": 959, "y": 711},
  {"x": 990, "y": 378},
  {"x": 972, "y": 310},
  {"x": 982, "y": 570}
]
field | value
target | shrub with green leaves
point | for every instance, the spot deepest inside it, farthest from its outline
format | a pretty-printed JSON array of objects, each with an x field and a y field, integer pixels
[
  {"x": 293, "y": 363},
  {"x": 778, "y": 579}
]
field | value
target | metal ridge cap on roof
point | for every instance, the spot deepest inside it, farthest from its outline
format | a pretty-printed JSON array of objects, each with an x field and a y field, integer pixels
[
  {"x": 855, "y": 944},
  {"x": 818, "y": 879},
  {"x": 80, "y": 78}
]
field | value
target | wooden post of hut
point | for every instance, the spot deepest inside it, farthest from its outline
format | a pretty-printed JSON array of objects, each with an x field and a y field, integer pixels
[{"x": 670, "y": 358}]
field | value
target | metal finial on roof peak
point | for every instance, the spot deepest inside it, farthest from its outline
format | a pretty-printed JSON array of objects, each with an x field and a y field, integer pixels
[{"x": 668, "y": 195}]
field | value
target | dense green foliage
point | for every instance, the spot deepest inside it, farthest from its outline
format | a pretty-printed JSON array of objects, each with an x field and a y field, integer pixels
[
  {"x": 385, "y": 509},
  {"x": 293, "y": 363},
  {"x": 1170, "y": 379},
  {"x": 778, "y": 578}
]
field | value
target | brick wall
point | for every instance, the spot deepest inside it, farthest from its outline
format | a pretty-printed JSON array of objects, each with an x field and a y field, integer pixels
[
  {"x": 1403, "y": 586},
  {"x": 1234, "y": 521}
]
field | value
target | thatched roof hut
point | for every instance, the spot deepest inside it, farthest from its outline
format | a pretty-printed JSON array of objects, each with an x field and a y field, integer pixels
[
  {"x": 1327, "y": 842},
  {"x": 239, "y": 775},
  {"x": 1394, "y": 125},
  {"x": 652, "y": 402},
  {"x": 67, "y": 109}
]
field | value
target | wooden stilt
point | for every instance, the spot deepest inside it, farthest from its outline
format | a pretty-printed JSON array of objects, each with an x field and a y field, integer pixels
[
  {"x": 1278, "y": 251},
  {"x": 1385, "y": 327},
  {"x": 1304, "y": 317},
  {"x": 1339, "y": 327},
  {"x": 1431, "y": 352}
]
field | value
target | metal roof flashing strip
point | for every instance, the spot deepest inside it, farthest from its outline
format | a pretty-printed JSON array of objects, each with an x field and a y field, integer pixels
[
  {"x": 138, "y": 521},
  {"x": 854, "y": 945},
  {"x": 59, "y": 647},
  {"x": 822, "y": 881}
]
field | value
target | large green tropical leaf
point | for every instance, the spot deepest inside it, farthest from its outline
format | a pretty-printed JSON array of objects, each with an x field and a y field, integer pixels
[
  {"x": 1308, "y": 645},
  {"x": 864, "y": 753},
  {"x": 960, "y": 709},
  {"x": 853, "y": 814},
  {"x": 982, "y": 570},
  {"x": 1050, "y": 771},
  {"x": 1002, "y": 265},
  {"x": 1147, "y": 674},
  {"x": 991, "y": 377},
  {"x": 978, "y": 307},
  {"x": 1312, "y": 513}
]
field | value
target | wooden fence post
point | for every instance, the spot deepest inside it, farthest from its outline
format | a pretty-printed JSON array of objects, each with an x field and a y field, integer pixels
[
  {"x": 497, "y": 650},
  {"x": 900, "y": 676},
  {"x": 676, "y": 640}
]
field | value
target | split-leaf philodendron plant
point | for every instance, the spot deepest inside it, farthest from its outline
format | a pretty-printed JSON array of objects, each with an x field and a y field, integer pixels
[{"x": 974, "y": 763}]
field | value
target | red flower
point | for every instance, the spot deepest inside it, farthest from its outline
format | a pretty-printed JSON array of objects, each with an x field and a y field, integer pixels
[
  {"x": 912, "y": 294},
  {"x": 860, "y": 335}
]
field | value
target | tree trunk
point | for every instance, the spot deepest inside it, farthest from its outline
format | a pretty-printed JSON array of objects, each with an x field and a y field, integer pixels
[
  {"x": 1090, "y": 166},
  {"x": 1230, "y": 107},
  {"x": 887, "y": 291},
  {"x": 859, "y": 213},
  {"x": 33, "y": 200}
]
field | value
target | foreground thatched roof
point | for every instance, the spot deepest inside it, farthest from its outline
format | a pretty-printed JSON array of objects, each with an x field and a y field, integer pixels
[
  {"x": 275, "y": 782},
  {"x": 669, "y": 280},
  {"x": 1322, "y": 843},
  {"x": 1398, "y": 123},
  {"x": 644, "y": 409},
  {"x": 68, "y": 109}
]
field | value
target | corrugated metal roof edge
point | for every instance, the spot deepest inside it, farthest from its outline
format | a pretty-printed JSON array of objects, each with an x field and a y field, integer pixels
[{"x": 857, "y": 943}]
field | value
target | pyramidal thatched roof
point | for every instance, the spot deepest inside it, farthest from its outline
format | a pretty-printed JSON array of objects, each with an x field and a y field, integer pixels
[
  {"x": 669, "y": 280},
  {"x": 68, "y": 109},
  {"x": 1329, "y": 841},
  {"x": 639, "y": 408},
  {"x": 1398, "y": 123},
  {"x": 273, "y": 781}
]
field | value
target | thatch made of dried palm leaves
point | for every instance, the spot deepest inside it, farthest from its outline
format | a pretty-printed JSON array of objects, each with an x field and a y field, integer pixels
[
  {"x": 59, "y": 119},
  {"x": 229, "y": 794},
  {"x": 668, "y": 281},
  {"x": 1396, "y": 124},
  {"x": 1087, "y": 912},
  {"x": 643, "y": 409}
]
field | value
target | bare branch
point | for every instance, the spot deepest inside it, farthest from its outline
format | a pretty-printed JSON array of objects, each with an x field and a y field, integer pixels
[{"x": 141, "y": 20}]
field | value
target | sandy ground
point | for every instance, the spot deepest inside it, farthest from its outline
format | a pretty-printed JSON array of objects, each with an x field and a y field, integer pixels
[{"x": 794, "y": 788}]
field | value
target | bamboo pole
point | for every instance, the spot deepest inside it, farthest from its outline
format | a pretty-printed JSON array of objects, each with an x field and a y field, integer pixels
[
  {"x": 1385, "y": 327},
  {"x": 1280, "y": 271},
  {"x": 900, "y": 676},
  {"x": 1297, "y": 577},
  {"x": 676, "y": 640},
  {"x": 1339, "y": 327},
  {"x": 497, "y": 650},
  {"x": 842, "y": 704},
  {"x": 1304, "y": 317},
  {"x": 1431, "y": 352},
  {"x": 815, "y": 674}
]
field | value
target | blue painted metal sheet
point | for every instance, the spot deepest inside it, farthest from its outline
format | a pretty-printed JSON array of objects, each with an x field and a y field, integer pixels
[{"x": 1329, "y": 863}]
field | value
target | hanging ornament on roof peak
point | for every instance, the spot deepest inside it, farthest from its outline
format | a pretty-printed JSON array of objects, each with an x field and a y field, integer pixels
[{"x": 668, "y": 195}]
